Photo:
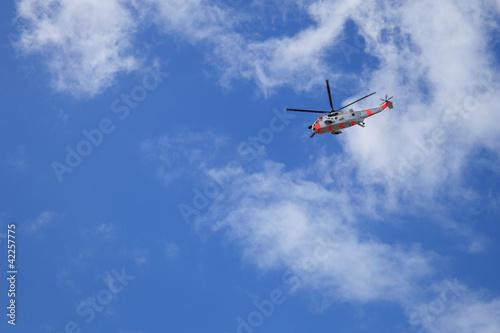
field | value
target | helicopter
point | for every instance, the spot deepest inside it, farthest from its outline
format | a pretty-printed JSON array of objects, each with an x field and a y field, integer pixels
[{"x": 338, "y": 119}]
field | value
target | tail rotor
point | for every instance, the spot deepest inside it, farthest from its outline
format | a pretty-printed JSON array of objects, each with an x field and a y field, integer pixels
[{"x": 386, "y": 102}]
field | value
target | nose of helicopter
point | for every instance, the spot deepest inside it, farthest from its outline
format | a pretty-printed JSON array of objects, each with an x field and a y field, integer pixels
[{"x": 316, "y": 128}]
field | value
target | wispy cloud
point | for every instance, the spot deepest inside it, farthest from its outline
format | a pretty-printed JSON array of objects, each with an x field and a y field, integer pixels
[
  {"x": 106, "y": 230},
  {"x": 279, "y": 218},
  {"x": 86, "y": 43},
  {"x": 65, "y": 280},
  {"x": 139, "y": 255},
  {"x": 61, "y": 121},
  {"x": 469, "y": 240},
  {"x": 470, "y": 315},
  {"x": 180, "y": 155},
  {"x": 19, "y": 160},
  {"x": 84, "y": 258},
  {"x": 42, "y": 221},
  {"x": 456, "y": 308},
  {"x": 195, "y": 20},
  {"x": 171, "y": 250},
  {"x": 432, "y": 86}
]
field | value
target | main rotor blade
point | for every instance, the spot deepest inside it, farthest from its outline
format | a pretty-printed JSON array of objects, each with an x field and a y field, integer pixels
[
  {"x": 329, "y": 95},
  {"x": 356, "y": 101},
  {"x": 312, "y": 111}
]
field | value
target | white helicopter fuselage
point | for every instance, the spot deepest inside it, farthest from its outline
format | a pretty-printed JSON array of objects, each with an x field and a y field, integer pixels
[
  {"x": 334, "y": 123},
  {"x": 336, "y": 120}
]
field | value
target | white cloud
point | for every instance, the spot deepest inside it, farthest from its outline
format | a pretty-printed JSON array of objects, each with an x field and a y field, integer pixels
[
  {"x": 87, "y": 43},
  {"x": 431, "y": 136},
  {"x": 183, "y": 155},
  {"x": 42, "y": 221},
  {"x": 20, "y": 160},
  {"x": 472, "y": 315},
  {"x": 281, "y": 218},
  {"x": 195, "y": 20},
  {"x": 456, "y": 308},
  {"x": 138, "y": 254},
  {"x": 84, "y": 258},
  {"x": 64, "y": 280},
  {"x": 469, "y": 241},
  {"x": 171, "y": 250},
  {"x": 288, "y": 221},
  {"x": 61, "y": 121},
  {"x": 106, "y": 230}
]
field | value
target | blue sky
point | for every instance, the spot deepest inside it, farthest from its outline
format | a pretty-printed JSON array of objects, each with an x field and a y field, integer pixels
[{"x": 157, "y": 183}]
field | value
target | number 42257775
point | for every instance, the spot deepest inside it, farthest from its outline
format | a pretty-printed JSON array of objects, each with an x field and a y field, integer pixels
[{"x": 11, "y": 244}]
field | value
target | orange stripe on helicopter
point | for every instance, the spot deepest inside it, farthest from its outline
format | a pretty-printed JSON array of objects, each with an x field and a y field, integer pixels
[
  {"x": 341, "y": 125},
  {"x": 369, "y": 112},
  {"x": 318, "y": 128},
  {"x": 353, "y": 123}
]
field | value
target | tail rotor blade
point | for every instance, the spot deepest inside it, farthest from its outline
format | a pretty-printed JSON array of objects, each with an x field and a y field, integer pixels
[{"x": 386, "y": 100}]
